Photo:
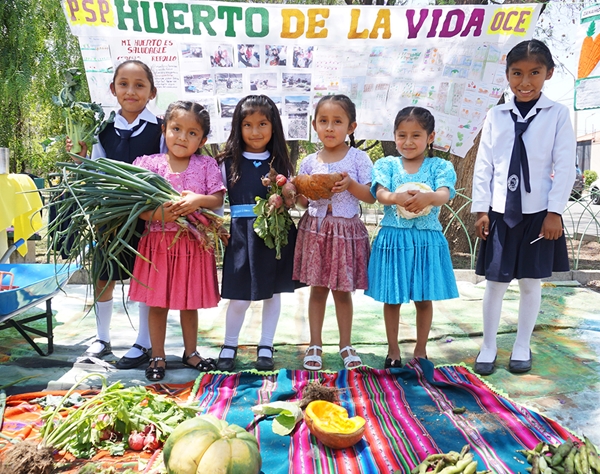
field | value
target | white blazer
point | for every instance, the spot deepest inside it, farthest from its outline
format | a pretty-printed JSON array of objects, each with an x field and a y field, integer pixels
[{"x": 551, "y": 151}]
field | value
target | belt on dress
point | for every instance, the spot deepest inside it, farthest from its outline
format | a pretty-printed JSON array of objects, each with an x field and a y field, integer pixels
[{"x": 242, "y": 210}]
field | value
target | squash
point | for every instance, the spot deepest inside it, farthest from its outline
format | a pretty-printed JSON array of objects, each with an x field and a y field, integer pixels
[
  {"x": 424, "y": 188},
  {"x": 205, "y": 444},
  {"x": 316, "y": 186},
  {"x": 330, "y": 424}
]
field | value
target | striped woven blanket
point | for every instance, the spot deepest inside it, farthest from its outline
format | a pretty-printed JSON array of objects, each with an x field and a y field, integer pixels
[{"x": 410, "y": 413}]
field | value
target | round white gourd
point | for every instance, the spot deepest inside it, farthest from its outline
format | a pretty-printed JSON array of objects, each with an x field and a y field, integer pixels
[{"x": 424, "y": 188}]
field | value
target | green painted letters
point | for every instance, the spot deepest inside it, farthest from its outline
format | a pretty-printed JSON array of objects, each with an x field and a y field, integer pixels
[
  {"x": 174, "y": 18},
  {"x": 230, "y": 13},
  {"x": 160, "y": 21},
  {"x": 202, "y": 14},
  {"x": 264, "y": 22},
  {"x": 122, "y": 15}
]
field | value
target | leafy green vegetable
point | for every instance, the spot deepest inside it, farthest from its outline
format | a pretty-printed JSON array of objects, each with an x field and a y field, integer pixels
[
  {"x": 83, "y": 120},
  {"x": 105, "y": 420},
  {"x": 273, "y": 221},
  {"x": 288, "y": 415}
]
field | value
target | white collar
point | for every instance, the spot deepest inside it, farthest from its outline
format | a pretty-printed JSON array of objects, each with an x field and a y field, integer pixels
[
  {"x": 256, "y": 156},
  {"x": 122, "y": 124},
  {"x": 542, "y": 103}
]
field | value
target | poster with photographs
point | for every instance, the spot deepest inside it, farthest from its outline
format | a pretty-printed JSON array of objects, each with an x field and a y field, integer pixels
[{"x": 449, "y": 60}]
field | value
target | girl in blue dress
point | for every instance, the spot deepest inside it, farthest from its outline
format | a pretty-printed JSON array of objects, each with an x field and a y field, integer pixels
[{"x": 410, "y": 259}]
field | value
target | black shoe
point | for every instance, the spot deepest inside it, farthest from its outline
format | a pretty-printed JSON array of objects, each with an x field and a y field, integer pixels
[
  {"x": 392, "y": 363},
  {"x": 265, "y": 363},
  {"x": 155, "y": 372},
  {"x": 227, "y": 364},
  {"x": 484, "y": 368},
  {"x": 204, "y": 365},
  {"x": 520, "y": 366},
  {"x": 106, "y": 349},
  {"x": 133, "y": 362}
]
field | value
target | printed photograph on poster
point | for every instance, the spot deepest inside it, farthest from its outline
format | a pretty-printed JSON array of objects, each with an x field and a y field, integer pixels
[
  {"x": 222, "y": 56},
  {"x": 296, "y": 104},
  {"x": 296, "y": 82},
  {"x": 248, "y": 55},
  {"x": 227, "y": 106},
  {"x": 199, "y": 84},
  {"x": 191, "y": 51},
  {"x": 229, "y": 83},
  {"x": 275, "y": 55},
  {"x": 278, "y": 104},
  {"x": 221, "y": 129},
  {"x": 297, "y": 126},
  {"x": 266, "y": 81},
  {"x": 210, "y": 105},
  {"x": 303, "y": 56}
]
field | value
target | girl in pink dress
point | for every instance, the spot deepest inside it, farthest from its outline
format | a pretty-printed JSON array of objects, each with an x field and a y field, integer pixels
[{"x": 178, "y": 273}]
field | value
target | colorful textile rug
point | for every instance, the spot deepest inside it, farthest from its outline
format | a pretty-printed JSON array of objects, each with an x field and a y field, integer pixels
[{"x": 410, "y": 413}]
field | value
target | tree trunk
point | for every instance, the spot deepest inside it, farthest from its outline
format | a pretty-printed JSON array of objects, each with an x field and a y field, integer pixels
[
  {"x": 294, "y": 147},
  {"x": 389, "y": 148},
  {"x": 461, "y": 231}
]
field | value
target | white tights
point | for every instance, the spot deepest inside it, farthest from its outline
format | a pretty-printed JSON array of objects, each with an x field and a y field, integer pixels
[
  {"x": 529, "y": 307},
  {"x": 234, "y": 319}
]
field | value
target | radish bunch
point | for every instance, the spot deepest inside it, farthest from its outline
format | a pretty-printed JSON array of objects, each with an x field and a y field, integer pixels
[
  {"x": 145, "y": 440},
  {"x": 273, "y": 220}
]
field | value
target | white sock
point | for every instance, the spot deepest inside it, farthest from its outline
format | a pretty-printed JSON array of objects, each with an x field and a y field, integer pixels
[
  {"x": 529, "y": 308},
  {"x": 270, "y": 317},
  {"x": 143, "y": 337},
  {"x": 492, "y": 308},
  {"x": 236, "y": 312},
  {"x": 104, "y": 310}
]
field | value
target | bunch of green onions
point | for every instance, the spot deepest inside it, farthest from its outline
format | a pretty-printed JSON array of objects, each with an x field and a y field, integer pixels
[{"x": 101, "y": 200}]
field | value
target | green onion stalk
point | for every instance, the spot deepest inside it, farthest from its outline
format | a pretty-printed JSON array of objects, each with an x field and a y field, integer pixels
[{"x": 98, "y": 204}]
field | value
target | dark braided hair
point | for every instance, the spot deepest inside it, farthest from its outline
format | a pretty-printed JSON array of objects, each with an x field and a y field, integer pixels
[
  {"x": 345, "y": 103},
  {"x": 235, "y": 144},
  {"x": 420, "y": 115},
  {"x": 531, "y": 49},
  {"x": 200, "y": 113}
]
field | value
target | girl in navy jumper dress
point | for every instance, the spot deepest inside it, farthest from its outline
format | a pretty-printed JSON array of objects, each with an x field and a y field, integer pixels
[
  {"x": 135, "y": 132},
  {"x": 410, "y": 259},
  {"x": 250, "y": 270},
  {"x": 523, "y": 177}
]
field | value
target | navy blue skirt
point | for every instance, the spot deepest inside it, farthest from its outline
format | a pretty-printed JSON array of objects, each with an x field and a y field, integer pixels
[
  {"x": 508, "y": 253},
  {"x": 250, "y": 270}
]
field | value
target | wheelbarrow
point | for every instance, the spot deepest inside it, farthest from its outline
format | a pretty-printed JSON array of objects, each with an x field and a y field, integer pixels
[{"x": 24, "y": 286}]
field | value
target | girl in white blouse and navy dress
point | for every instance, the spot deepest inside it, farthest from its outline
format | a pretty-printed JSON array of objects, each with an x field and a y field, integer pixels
[{"x": 522, "y": 180}]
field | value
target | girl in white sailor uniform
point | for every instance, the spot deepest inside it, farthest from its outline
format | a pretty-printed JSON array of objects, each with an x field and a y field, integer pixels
[{"x": 523, "y": 176}]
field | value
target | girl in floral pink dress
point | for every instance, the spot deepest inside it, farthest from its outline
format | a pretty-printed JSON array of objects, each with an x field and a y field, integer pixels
[
  {"x": 176, "y": 272},
  {"x": 332, "y": 247}
]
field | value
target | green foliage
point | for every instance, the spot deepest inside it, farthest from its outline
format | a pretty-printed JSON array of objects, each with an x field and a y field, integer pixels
[
  {"x": 84, "y": 120},
  {"x": 589, "y": 176},
  {"x": 36, "y": 46}
]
